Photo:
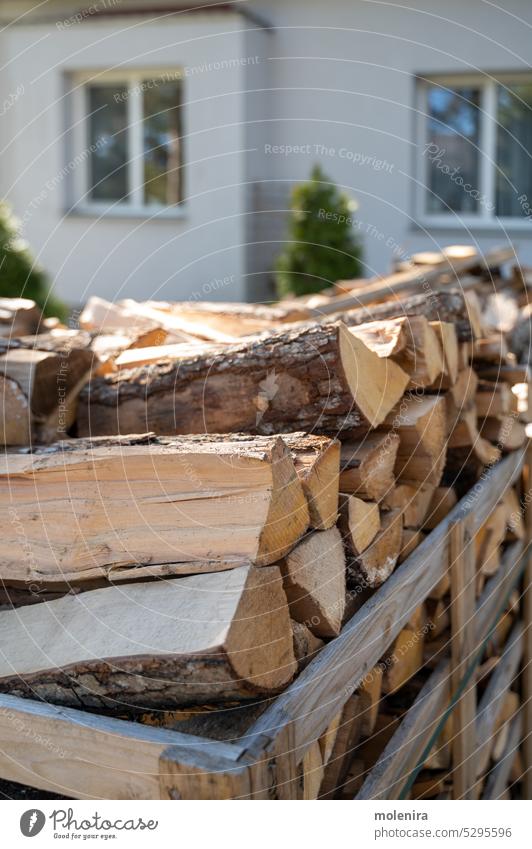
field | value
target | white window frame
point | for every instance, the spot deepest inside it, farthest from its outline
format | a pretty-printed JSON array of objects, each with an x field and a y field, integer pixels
[
  {"x": 133, "y": 206},
  {"x": 485, "y": 218}
]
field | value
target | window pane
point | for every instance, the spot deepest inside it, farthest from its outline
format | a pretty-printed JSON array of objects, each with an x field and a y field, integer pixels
[
  {"x": 514, "y": 149},
  {"x": 452, "y": 149},
  {"x": 108, "y": 142},
  {"x": 162, "y": 143}
]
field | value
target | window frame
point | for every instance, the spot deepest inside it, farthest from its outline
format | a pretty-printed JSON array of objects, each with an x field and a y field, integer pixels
[
  {"x": 487, "y": 151},
  {"x": 79, "y": 190}
]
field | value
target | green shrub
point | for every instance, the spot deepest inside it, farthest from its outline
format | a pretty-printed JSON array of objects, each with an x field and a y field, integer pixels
[
  {"x": 20, "y": 277},
  {"x": 322, "y": 246}
]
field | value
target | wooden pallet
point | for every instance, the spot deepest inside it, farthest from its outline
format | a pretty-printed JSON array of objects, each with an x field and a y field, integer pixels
[{"x": 85, "y": 755}]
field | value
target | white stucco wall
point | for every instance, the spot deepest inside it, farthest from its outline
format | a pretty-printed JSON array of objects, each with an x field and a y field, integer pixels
[
  {"x": 342, "y": 77},
  {"x": 120, "y": 256},
  {"x": 337, "y": 76}
]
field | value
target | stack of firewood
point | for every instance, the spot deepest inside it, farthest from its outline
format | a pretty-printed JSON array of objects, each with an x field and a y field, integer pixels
[{"x": 276, "y": 463}]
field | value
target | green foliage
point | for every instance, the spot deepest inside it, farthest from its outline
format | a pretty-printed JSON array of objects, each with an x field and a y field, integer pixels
[
  {"x": 19, "y": 276},
  {"x": 322, "y": 246}
]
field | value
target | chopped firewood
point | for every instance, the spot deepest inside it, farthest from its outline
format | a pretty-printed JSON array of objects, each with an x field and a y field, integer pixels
[
  {"x": 411, "y": 539},
  {"x": 461, "y": 396},
  {"x": 136, "y": 506},
  {"x": 443, "y": 500},
  {"x": 359, "y": 523},
  {"x": 507, "y": 432},
  {"x": 374, "y": 565},
  {"x": 51, "y": 383},
  {"x": 317, "y": 462},
  {"x": 369, "y": 696},
  {"x": 233, "y": 319},
  {"x": 411, "y": 342},
  {"x": 422, "y": 357},
  {"x": 318, "y": 378},
  {"x": 514, "y": 515},
  {"x": 448, "y": 340},
  {"x": 211, "y": 637},
  {"x": 306, "y": 645},
  {"x": 492, "y": 349},
  {"x": 404, "y": 659},
  {"x": 511, "y": 374},
  {"x": 421, "y": 424},
  {"x": 19, "y": 317},
  {"x": 465, "y": 354},
  {"x": 447, "y": 305},
  {"x": 492, "y": 399},
  {"x": 314, "y": 577},
  {"x": 328, "y": 738},
  {"x": 414, "y": 501},
  {"x": 15, "y": 423},
  {"x": 438, "y": 615},
  {"x": 466, "y": 435},
  {"x": 489, "y": 539},
  {"x": 347, "y": 736},
  {"x": 366, "y": 467}
]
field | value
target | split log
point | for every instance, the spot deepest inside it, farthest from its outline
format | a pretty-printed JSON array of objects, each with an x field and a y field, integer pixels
[
  {"x": 51, "y": 383},
  {"x": 359, "y": 523},
  {"x": 346, "y": 739},
  {"x": 130, "y": 507},
  {"x": 319, "y": 378},
  {"x": 158, "y": 644},
  {"x": 404, "y": 659},
  {"x": 367, "y": 466},
  {"x": 306, "y": 645},
  {"x": 316, "y": 460},
  {"x": 411, "y": 539},
  {"x": 235, "y": 319},
  {"x": 465, "y": 435},
  {"x": 374, "y": 565},
  {"x": 413, "y": 501},
  {"x": 314, "y": 579},
  {"x": 508, "y": 433},
  {"x": 448, "y": 340},
  {"x": 369, "y": 695},
  {"x": 443, "y": 500},
  {"x": 421, "y": 422},
  {"x": 492, "y": 399},
  {"x": 15, "y": 423}
]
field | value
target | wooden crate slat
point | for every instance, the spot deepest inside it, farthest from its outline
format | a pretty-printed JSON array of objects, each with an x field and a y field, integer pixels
[
  {"x": 527, "y": 616},
  {"x": 493, "y": 697},
  {"x": 400, "y": 756},
  {"x": 342, "y": 664},
  {"x": 75, "y": 753},
  {"x": 404, "y": 742},
  {"x": 463, "y": 645}
]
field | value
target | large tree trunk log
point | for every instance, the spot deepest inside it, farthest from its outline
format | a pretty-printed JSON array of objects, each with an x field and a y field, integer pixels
[
  {"x": 449, "y": 305},
  {"x": 319, "y": 378},
  {"x": 131, "y": 508},
  {"x": 159, "y": 644}
]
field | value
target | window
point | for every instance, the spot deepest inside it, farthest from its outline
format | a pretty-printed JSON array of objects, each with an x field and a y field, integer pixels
[
  {"x": 476, "y": 151},
  {"x": 129, "y": 138}
]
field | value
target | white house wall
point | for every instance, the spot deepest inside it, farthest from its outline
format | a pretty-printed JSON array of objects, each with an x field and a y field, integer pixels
[{"x": 201, "y": 253}]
